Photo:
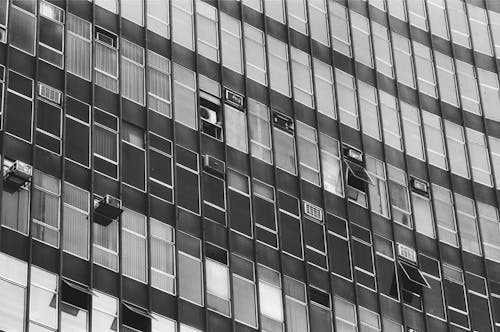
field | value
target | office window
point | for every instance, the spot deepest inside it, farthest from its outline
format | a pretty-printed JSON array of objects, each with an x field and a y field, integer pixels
[
  {"x": 319, "y": 21},
  {"x": 78, "y": 46},
  {"x": 458, "y": 22},
  {"x": 159, "y": 87},
  {"x": 369, "y": 320},
  {"x": 244, "y": 297},
  {"x": 297, "y": 15},
  {"x": 13, "y": 282},
  {"x": 255, "y": 54},
  {"x": 412, "y": 129},
  {"x": 217, "y": 280},
  {"x": 457, "y": 151},
  {"x": 433, "y": 296},
  {"x": 437, "y": 18},
  {"x": 467, "y": 224},
  {"x": 339, "y": 27},
  {"x": 495, "y": 30},
  {"x": 422, "y": 212},
  {"x": 489, "y": 224},
  {"x": 377, "y": 190},
  {"x": 236, "y": 128},
  {"x": 190, "y": 274},
  {"x": 360, "y": 29},
  {"x": 346, "y": 93},
  {"x": 260, "y": 131},
  {"x": 397, "y": 9},
  {"x": 162, "y": 256},
  {"x": 105, "y": 312},
  {"x": 295, "y": 304},
  {"x": 48, "y": 120},
  {"x": 162, "y": 324},
  {"x": 279, "y": 69},
  {"x": 158, "y": 17},
  {"x": 380, "y": 4},
  {"x": 284, "y": 148},
  {"x": 187, "y": 328},
  {"x": 185, "y": 96},
  {"x": 345, "y": 315},
  {"x": 490, "y": 93},
  {"x": 456, "y": 298},
  {"x": 133, "y": 156},
  {"x": 400, "y": 199},
  {"x": 325, "y": 91},
  {"x": 446, "y": 78},
  {"x": 478, "y": 21},
  {"x": 76, "y": 222},
  {"x": 320, "y": 310},
  {"x": 105, "y": 245},
  {"x": 4, "y": 6},
  {"x": 106, "y": 59},
  {"x": 239, "y": 203},
  {"x": 445, "y": 216},
  {"x": 270, "y": 299},
  {"x": 160, "y": 167},
  {"x": 368, "y": 110},
  {"x": 480, "y": 164},
  {"x": 22, "y": 26},
  {"x": 132, "y": 78},
  {"x": 434, "y": 140},
  {"x": 403, "y": 60},
  {"x": 133, "y": 10},
  {"x": 302, "y": 77},
  {"x": 495, "y": 158},
  {"x": 338, "y": 243},
  {"x": 134, "y": 245},
  {"x": 362, "y": 252},
  {"x": 43, "y": 299},
  {"x": 390, "y": 120},
  {"x": 110, "y": 5},
  {"x": 51, "y": 34},
  {"x": 425, "y": 70},
  {"x": 188, "y": 173},
  {"x": 105, "y": 142},
  {"x": 418, "y": 14},
  {"x": 231, "y": 46},
  {"x": 183, "y": 23},
  {"x": 290, "y": 225},
  {"x": 207, "y": 31},
  {"x": 45, "y": 211},
  {"x": 275, "y": 9},
  {"x": 382, "y": 49},
  {"x": 19, "y": 106},
  {"x": 15, "y": 205},
  {"x": 387, "y": 279},
  {"x": 254, "y": 4},
  {"x": 469, "y": 92},
  {"x": 331, "y": 165}
]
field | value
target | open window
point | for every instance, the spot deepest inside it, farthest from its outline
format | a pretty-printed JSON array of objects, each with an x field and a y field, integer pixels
[
  {"x": 75, "y": 305},
  {"x": 135, "y": 318},
  {"x": 210, "y": 108},
  {"x": 411, "y": 278},
  {"x": 357, "y": 177}
]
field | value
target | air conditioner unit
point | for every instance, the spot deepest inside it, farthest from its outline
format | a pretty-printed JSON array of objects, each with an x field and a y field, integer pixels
[
  {"x": 234, "y": 98},
  {"x": 407, "y": 253},
  {"x": 208, "y": 115},
  {"x": 109, "y": 207},
  {"x": 214, "y": 165},
  {"x": 412, "y": 330},
  {"x": 18, "y": 174},
  {"x": 420, "y": 186},
  {"x": 313, "y": 211},
  {"x": 353, "y": 154},
  {"x": 283, "y": 122},
  {"x": 49, "y": 93}
]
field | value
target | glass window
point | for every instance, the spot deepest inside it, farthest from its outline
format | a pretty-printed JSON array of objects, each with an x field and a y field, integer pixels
[
  {"x": 22, "y": 28},
  {"x": 231, "y": 46},
  {"x": 297, "y": 15},
  {"x": 307, "y": 145},
  {"x": 319, "y": 21},
  {"x": 425, "y": 69},
  {"x": 457, "y": 151},
  {"x": 295, "y": 304},
  {"x": 190, "y": 268},
  {"x": 302, "y": 77},
  {"x": 159, "y": 87},
  {"x": 260, "y": 131},
  {"x": 390, "y": 120},
  {"x": 369, "y": 320},
  {"x": 51, "y": 34},
  {"x": 207, "y": 31},
  {"x": 217, "y": 279},
  {"x": 495, "y": 30},
  {"x": 284, "y": 148},
  {"x": 345, "y": 315},
  {"x": 490, "y": 93},
  {"x": 339, "y": 26},
  {"x": 254, "y": 4},
  {"x": 133, "y": 10},
  {"x": 360, "y": 29},
  {"x": 76, "y": 225},
  {"x": 456, "y": 298},
  {"x": 78, "y": 46},
  {"x": 346, "y": 93},
  {"x": 183, "y": 23},
  {"x": 445, "y": 216},
  {"x": 270, "y": 299},
  {"x": 15, "y": 205},
  {"x": 45, "y": 211},
  {"x": 434, "y": 140},
  {"x": 422, "y": 212},
  {"x": 111, "y": 5},
  {"x": 134, "y": 245},
  {"x": 105, "y": 245},
  {"x": 105, "y": 141},
  {"x": 437, "y": 18},
  {"x": 489, "y": 224},
  {"x": 275, "y": 9},
  {"x": 132, "y": 78},
  {"x": 469, "y": 92},
  {"x": 244, "y": 298},
  {"x": 397, "y": 9},
  {"x": 400, "y": 200},
  {"x": 433, "y": 296},
  {"x": 380, "y": 4},
  {"x": 236, "y": 128},
  {"x": 368, "y": 109},
  {"x": 185, "y": 96},
  {"x": 377, "y": 190},
  {"x": 104, "y": 312},
  {"x": 467, "y": 224},
  {"x": 13, "y": 280},
  {"x": 162, "y": 324},
  {"x": 480, "y": 163},
  {"x": 446, "y": 77},
  {"x": 279, "y": 70},
  {"x": 73, "y": 318},
  {"x": 412, "y": 129},
  {"x": 187, "y": 328},
  {"x": 162, "y": 256},
  {"x": 255, "y": 54},
  {"x": 331, "y": 165},
  {"x": 106, "y": 60},
  {"x": 417, "y": 13},
  {"x": 43, "y": 298},
  {"x": 325, "y": 91},
  {"x": 383, "y": 51},
  {"x": 495, "y": 157},
  {"x": 480, "y": 32},
  {"x": 458, "y": 22},
  {"x": 158, "y": 17},
  {"x": 403, "y": 60}
]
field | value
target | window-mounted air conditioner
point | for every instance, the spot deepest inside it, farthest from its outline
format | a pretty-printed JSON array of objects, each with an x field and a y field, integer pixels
[
  {"x": 407, "y": 253},
  {"x": 234, "y": 98},
  {"x": 109, "y": 207},
  {"x": 18, "y": 174},
  {"x": 419, "y": 186},
  {"x": 353, "y": 154},
  {"x": 208, "y": 115},
  {"x": 313, "y": 211},
  {"x": 283, "y": 122},
  {"x": 214, "y": 165}
]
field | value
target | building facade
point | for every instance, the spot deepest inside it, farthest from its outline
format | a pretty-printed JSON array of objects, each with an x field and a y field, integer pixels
[{"x": 253, "y": 165}]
